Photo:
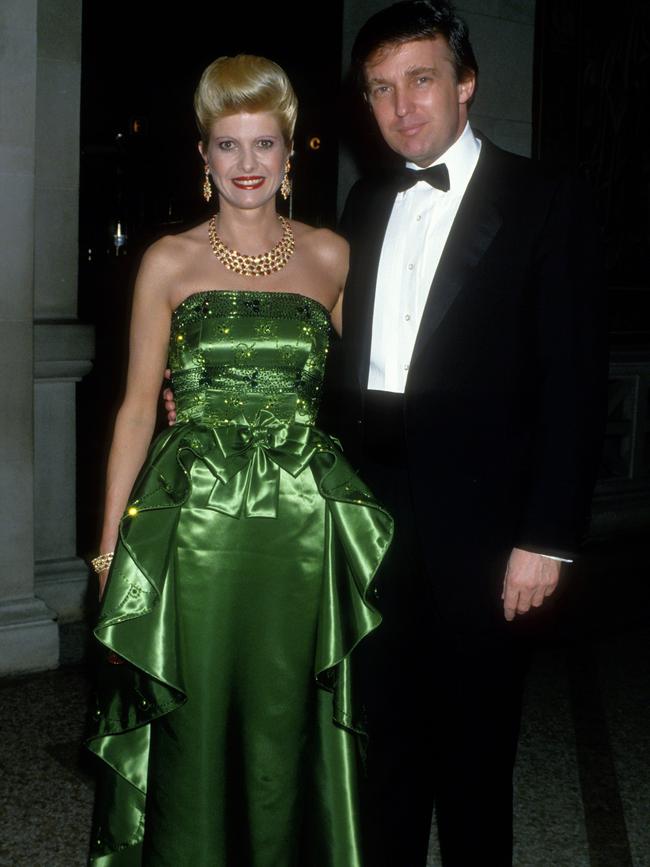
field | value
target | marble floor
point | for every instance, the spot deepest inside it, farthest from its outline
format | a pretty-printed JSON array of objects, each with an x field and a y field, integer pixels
[{"x": 582, "y": 784}]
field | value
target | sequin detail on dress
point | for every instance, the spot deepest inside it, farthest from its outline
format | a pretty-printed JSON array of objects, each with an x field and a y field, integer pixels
[{"x": 232, "y": 351}]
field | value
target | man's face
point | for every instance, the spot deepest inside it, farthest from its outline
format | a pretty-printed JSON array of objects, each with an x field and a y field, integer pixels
[{"x": 420, "y": 107}]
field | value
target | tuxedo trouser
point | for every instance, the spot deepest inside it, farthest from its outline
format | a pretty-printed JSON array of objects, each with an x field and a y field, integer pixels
[{"x": 443, "y": 702}]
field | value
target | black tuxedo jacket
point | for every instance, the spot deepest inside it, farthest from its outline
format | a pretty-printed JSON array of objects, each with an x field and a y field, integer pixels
[{"x": 505, "y": 399}]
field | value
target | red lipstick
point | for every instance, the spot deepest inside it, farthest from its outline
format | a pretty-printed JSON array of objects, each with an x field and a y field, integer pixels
[{"x": 248, "y": 182}]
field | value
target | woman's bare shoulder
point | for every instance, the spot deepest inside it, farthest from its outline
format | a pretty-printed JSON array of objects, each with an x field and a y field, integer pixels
[
  {"x": 173, "y": 251},
  {"x": 327, "y": 245},
  {"x": 168, "y": 259}
]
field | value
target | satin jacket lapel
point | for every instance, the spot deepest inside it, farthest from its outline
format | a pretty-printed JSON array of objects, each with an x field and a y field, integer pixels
[
  {"x": 360, "y": 294},
  {"x": 476, "y": 224}
]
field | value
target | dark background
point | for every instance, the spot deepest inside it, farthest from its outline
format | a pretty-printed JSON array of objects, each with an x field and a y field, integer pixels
[{"x": 591, "y": 100}]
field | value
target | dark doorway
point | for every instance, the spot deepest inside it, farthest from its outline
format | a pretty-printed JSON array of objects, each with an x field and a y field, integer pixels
[{"x": 592, "y": 89}]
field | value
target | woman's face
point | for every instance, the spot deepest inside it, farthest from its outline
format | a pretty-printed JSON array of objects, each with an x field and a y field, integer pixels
[{"x": 246, "y": 154}]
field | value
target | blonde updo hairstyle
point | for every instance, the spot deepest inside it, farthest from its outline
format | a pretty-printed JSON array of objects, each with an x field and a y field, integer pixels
[{"x": 230, "y": 85}]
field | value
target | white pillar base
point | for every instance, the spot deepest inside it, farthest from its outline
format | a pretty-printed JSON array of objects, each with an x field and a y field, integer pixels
[
  {"x": 29, "y": 636},
  {"x": 63, "y": 586}
]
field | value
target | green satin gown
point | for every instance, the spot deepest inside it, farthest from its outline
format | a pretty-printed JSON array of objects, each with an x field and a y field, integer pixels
[{"x": 241, "y": 584}]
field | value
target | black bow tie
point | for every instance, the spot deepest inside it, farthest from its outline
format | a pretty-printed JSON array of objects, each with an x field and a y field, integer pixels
[{"x": 437, "y": 176}]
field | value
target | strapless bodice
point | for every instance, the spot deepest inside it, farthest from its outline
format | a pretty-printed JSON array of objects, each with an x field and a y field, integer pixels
[{"x": 235, "y": 353}]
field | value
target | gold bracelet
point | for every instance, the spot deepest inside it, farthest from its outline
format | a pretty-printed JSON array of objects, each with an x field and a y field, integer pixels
[{"x": 103, "y": 561}]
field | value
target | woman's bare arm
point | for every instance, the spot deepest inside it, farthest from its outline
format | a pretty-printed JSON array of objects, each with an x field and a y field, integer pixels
[
  {"x": 336, "y": 314},
  {"x": 334, "y": 255},
  {"x": 134, "y": 425}
]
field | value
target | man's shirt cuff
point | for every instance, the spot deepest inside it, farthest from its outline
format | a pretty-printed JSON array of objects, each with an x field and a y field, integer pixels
[{"x": 559, "y": 559}]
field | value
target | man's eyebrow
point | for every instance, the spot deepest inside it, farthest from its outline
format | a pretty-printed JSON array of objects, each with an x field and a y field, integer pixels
[
  {"x": 412, "y": 72},
  {"x": 375, "y": 80},
  {"x": 421, "y": 70}
]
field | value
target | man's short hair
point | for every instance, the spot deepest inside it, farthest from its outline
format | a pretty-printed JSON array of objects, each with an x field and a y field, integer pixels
[{"x": 411, "y": 20}]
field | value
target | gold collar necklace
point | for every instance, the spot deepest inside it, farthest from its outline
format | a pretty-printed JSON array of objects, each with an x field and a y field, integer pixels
[{"x": 253, "y": 266}]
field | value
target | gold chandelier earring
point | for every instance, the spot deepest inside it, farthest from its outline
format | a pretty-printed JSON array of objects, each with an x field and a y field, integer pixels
[
  {"x": 285, "y": 186},
  {"x": 207, "y": 186}
]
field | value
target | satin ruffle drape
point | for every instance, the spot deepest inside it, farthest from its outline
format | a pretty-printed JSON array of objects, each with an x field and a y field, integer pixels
[{"x": 235, "y": 470}]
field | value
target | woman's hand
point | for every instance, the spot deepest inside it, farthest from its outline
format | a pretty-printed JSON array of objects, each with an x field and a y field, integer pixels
[{"x": 101, "y": 565}]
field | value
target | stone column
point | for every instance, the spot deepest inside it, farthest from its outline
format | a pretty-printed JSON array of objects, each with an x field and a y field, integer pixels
[
  {"x": 63, "y": 347},
  {"x": 28, "y": 633}
]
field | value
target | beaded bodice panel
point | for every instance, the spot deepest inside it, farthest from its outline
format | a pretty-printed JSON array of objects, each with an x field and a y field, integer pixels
[{"x": 233, "y": 354}]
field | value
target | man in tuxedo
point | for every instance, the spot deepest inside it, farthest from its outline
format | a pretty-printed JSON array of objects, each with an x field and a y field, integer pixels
[{"x": 472, "y": 396}]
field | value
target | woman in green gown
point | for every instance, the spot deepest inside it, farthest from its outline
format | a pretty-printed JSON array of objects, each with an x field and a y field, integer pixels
[{"x": 244, "y": 546}]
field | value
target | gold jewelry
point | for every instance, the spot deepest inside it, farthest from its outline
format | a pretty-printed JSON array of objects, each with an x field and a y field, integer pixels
[
  {"x": 285, "y": 186},
  {"x": 207, "y": 186},
  {"x": 103, "y": 561},
  {"x": 253, "y": 266}
]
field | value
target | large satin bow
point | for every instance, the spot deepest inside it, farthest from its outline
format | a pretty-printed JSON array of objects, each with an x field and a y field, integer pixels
[{"x": 246, "y": 459}]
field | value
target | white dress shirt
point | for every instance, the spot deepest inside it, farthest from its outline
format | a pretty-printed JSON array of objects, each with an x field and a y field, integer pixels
[{"x": 416, "y": 235}]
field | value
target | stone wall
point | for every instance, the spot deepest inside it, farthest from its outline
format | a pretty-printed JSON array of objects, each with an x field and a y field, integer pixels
[{"x": 43, "y": 350}]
